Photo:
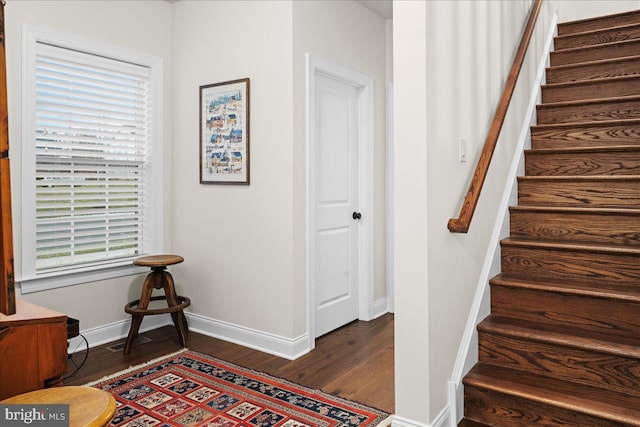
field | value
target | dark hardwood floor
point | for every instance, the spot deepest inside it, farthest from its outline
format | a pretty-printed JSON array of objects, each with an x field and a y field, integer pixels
[{"x": 354, "y": 362}]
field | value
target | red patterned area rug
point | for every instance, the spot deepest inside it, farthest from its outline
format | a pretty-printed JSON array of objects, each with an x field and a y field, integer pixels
[{"x": 190, "y": 389}]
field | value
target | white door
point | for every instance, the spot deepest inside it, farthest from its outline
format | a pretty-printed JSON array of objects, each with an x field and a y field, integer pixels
[{"x": 336, "y": 204}]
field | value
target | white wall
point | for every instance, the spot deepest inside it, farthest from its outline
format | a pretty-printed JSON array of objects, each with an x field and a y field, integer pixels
[
  {"x": 237, "y": 240},
  {"x": 412, "y": 391},
  {"x": 347, "y": 34},
  {"x": 142, "y": 26},
  {"x": 389, "y": 166},
  {"x": 572, "y": 10},
  {"x": 449, "y": 71}
]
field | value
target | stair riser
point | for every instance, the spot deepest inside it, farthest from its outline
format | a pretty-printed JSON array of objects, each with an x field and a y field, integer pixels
[
  {"x": 503, "y": 410},
  {"x": 616, "y": 229},
  {"x": 591, "y": 89},
  {"x": 594, "y": 136},
  {"x": 569, "y": 164},
  {"x": 591, "y": 368},
  {"x": 579, "y": 193},
  {"x": 601, "y": 314},
  {"x": 590, "y": 112},
  {"x": 629, "y": 67},
  {"x": 596, "y": 53},
  {"x": 603, "y": 36},
  {"x": 581, "y": 267},
  {"x": 629, "y": 18}
]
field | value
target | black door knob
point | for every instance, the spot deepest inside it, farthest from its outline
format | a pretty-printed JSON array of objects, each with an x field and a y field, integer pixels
[{"x": 356, "y": 215}]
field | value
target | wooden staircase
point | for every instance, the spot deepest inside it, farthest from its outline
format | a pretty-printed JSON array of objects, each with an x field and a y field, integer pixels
[{"x": 561, "y": 346}]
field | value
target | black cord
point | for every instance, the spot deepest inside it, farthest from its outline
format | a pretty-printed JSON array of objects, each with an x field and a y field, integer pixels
[{"x": 70, "y": 356}]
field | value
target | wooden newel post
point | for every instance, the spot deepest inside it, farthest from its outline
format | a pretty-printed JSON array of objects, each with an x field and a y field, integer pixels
[{"x": 7, "y": 280}]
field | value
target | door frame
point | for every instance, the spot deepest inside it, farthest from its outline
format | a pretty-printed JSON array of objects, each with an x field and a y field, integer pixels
[{"x": 364, "y": 84}]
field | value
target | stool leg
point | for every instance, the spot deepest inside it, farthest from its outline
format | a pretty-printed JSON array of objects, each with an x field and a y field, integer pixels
[
  {"x": 136, "y": 319},
  {"x": 179, "y": 320}
]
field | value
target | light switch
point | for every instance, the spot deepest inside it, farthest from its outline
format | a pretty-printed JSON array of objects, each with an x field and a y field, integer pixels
[{"x": 463, "y": 150}]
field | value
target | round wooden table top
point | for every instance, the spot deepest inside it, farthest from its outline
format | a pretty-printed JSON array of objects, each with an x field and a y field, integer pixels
[
  {"x": 88, "y": 406},
  {"x": 158, "y": 260}
]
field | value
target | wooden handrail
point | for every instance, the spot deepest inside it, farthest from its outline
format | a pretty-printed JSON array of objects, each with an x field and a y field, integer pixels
[{"x": 461, "y": 224}]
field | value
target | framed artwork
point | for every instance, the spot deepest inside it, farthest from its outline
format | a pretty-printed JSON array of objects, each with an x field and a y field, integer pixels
[{"x": 224, "y": 133}]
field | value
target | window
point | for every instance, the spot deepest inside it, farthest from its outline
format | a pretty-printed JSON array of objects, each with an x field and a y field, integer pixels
[{"x": 87, "y": 161}]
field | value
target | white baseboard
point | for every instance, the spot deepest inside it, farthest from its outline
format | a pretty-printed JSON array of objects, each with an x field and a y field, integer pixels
[
  {"x": 269, "y": 343},
  {"x": 442, "y": 420},
  {"x": 115, "y": 331},
  {"x": 398, "y": 421},
  {"x": 380, "y": 307},
  {"x": 288, "y": 348}
]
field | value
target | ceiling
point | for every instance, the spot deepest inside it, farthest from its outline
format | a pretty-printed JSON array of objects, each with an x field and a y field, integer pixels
[{"x": 383, "y": 8}]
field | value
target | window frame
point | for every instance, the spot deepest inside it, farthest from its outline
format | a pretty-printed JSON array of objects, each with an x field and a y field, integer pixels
[{"x": 29, "y": 278}]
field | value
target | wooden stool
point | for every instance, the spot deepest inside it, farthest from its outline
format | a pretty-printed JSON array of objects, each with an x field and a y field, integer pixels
[
  {"x": 88, "y": 406},
  {"x": 158, "y": 278}
]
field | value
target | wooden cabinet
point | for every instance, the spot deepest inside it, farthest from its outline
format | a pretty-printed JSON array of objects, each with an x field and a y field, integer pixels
[{"x": 33, "y": 349}]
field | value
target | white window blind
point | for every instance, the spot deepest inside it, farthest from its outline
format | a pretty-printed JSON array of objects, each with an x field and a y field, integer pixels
[{"x": 92, "y": 144}]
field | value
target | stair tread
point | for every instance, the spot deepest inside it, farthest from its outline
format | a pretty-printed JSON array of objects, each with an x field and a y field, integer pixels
[
  {"x": 595, "y": 52},
  {"x": 625, "y": 85},
  {"x": 613, "y": 61},
  {"x": 580, "y": 102},
  {"x": 580, "y": 398},
  {"x": 591, "y": 82},
  {"x": 576, "y": 150},
  {"x": 605, "y": 290},
  {"x": 577, "y": 209},
  {"x": 586, "y": 178},
  {"x": 562, "y": 26},
  {"x": 570, "y": 246},
  {"x": 599, "y": 30},
  {"x": 595, "y": 46},
  {"x": 599, "y": 123},
  {"x": 623, "y": 64},
  {"x": 618, "y": 343},
  {"x": 626, "y": 31}
]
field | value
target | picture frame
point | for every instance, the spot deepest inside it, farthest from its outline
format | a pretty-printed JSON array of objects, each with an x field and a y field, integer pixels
[{"x": 224, "y": 132}]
